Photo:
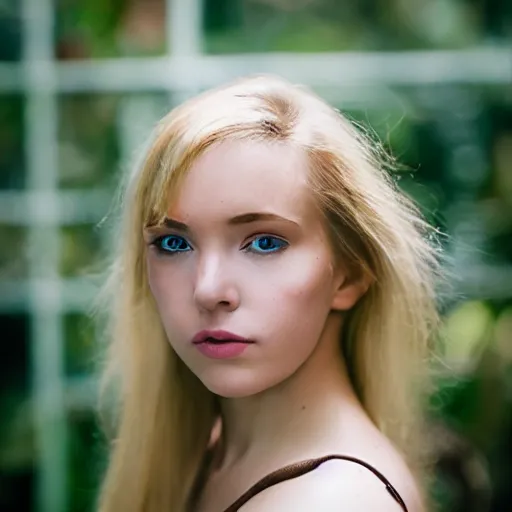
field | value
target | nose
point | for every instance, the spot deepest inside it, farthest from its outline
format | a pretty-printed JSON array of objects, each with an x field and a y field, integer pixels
[{"x": 214, "y": 289}]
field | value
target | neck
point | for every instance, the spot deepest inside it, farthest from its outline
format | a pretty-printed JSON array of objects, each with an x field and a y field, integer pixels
[{"x": 298, "y": 412}]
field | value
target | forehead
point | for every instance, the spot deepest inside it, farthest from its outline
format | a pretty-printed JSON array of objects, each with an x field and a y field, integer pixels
[{"x": 245, "y": 176}]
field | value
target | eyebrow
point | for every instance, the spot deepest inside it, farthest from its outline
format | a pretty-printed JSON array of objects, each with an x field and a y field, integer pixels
[{"x": 245, "y": 218}]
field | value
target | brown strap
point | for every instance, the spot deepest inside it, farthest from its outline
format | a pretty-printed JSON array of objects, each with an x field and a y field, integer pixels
[{"x": 301, "y": 468}]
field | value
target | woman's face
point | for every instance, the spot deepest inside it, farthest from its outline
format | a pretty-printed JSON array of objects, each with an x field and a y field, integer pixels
[{"x": 244, "y": 251}]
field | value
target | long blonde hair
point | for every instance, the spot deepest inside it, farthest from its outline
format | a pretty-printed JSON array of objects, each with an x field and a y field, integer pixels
[{"x": 163, "y": 414}]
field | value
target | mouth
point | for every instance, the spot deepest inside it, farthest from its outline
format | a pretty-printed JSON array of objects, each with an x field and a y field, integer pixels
[
  {"x": 218, "y": 338},
  {"x": 220, "y": 342}
]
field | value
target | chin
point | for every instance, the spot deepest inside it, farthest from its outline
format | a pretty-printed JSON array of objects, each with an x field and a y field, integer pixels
[{"x": 234, "y": 383}]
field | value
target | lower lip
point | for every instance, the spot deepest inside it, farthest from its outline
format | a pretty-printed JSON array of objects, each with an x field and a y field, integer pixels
[{"x": 222, "y": 350}]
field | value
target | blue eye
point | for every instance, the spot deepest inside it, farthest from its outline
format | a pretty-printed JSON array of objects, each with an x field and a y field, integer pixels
[
  {"x": 171, "y": 244},
  {"x": 266, "y": 244}
]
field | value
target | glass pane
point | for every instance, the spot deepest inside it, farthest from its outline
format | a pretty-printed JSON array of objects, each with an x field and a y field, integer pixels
[
  {"x": 497, "y": 195},
  {"x": 10, "y": 30},
  {"x": 17, "y": 453},
  {"x": 12, "y": 172},
  {"x": 98, "y": 28},
  {"x": 13, "y": 260},
  {"x": 234, "y": 26},
  {"x": 80, "y": 250},
  {"x": 85, "y": 461},
  {"x": 79, "y": 337},
  {"x": 88, "y": 147},
  {"x": 100, "y": 134}
]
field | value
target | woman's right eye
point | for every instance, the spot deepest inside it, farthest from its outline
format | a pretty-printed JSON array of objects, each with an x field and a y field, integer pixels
[{"x": 171, "y": 244}]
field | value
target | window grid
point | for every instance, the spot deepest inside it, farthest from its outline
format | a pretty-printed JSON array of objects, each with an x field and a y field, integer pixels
[
  {"x": 43, "y": 250},
  {"x": 183, "y": 71}
]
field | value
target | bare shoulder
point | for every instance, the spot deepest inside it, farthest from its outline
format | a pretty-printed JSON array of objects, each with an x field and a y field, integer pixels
[{"x": 339, "y": 485}]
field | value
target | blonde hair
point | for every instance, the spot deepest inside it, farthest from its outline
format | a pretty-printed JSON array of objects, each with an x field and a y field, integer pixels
[{"x": 164, "y": 415}]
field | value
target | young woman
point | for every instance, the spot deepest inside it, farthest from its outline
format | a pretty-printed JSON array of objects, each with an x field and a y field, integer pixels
[{"x": 271, "y": 304}]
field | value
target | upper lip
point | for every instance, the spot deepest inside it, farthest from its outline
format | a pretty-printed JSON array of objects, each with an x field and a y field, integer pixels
[{"x": 202, "y": 336}]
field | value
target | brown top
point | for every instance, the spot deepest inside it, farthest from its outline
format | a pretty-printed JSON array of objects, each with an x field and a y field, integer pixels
[{"x": 303, "y": 467}]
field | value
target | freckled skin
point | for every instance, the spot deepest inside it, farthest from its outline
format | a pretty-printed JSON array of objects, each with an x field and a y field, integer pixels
[{"x": 280, "y": 300}]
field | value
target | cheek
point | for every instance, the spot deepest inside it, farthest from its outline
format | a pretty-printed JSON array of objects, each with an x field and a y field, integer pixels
[
  {"x": 307, "y": 283},
  {"x": 155, "y": 281},
  {"x": 300, "y": 303},
  {"x": 166, "y": 288}
]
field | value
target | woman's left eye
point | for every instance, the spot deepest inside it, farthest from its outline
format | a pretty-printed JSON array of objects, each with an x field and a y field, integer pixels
[{"x": 266, "y": 244}]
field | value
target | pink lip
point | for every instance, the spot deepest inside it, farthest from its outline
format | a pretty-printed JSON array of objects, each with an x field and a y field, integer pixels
[
  {"x": 202, "y": 336},
  {"x": 222, "y": 351},
  {"x": 233, "y": 345}
]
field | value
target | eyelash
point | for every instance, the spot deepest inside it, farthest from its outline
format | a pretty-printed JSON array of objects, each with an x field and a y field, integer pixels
[{"x": 157, "y": 243}]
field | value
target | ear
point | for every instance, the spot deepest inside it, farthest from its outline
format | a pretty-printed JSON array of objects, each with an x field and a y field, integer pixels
[{"x": 349, "y": 289}]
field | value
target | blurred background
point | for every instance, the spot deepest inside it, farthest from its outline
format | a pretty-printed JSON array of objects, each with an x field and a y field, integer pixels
[{"x": 81, "y": 84}]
